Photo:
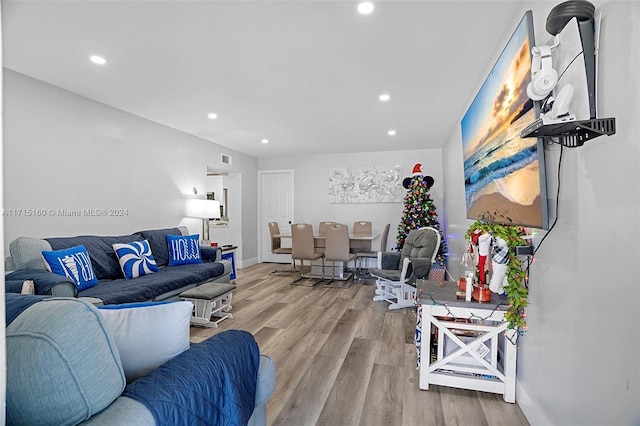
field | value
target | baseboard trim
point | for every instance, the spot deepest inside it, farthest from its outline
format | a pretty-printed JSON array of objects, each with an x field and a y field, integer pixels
[
  {"x": 531, "y": 411},
  {"x": 246, "y": 263}
]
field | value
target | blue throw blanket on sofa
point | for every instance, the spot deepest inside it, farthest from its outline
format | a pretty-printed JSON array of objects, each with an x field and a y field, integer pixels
[
  {"x": 213, "y": 383},
  {"x": 16, "y": 303}
]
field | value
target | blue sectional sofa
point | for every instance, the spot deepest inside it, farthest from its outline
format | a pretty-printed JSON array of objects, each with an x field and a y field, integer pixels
[{"x": 26, "y": 263}]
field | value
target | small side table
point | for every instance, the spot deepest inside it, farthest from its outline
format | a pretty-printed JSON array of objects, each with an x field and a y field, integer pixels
[
  {"x": 229, "y": 253},
  {"x": 485, "y": 362}
]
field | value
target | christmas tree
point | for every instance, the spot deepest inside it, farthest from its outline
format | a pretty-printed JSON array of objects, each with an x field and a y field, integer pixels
[{"x": 419, "y": 210}]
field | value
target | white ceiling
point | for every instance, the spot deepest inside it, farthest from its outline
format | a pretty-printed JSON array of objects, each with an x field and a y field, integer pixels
[{"x": 304, "y": 74}]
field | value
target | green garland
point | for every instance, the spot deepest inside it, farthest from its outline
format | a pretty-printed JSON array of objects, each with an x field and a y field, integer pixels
[{"x": 517, "y": 292}]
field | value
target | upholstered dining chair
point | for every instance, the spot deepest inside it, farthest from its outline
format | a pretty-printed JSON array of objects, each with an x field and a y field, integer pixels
[
  {"x": 323, "y": 226},
  {"x": 362, "y": 255},
  {"x": 337, "y": 250},
  {"x": 276, "y": 248},
  {"x": 303, "y": 248},
  {"x": 396, "y": 273},
  {"x": 362, "y": 228},
  {"x": 321, "y": 232}
]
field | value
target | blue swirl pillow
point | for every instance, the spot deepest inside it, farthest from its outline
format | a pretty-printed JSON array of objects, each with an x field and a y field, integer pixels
[
  {"x": 73, "y": 263},
  {"x": 136, "y": 259},
  {"x": 184, "y": 250}
]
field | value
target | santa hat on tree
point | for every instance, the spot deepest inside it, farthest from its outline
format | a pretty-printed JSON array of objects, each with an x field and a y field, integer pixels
[{"x": 416, "y": 173}]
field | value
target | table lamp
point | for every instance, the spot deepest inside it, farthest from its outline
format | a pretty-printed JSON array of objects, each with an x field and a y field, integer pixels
[{"x": 206, "y": 210}]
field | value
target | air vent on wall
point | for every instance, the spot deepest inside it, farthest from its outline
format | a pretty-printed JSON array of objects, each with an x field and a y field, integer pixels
[{"x": 225, "y": 159}]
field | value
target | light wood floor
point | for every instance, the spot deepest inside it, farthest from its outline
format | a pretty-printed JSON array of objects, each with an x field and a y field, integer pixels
[{"x": 342, "y": 359}]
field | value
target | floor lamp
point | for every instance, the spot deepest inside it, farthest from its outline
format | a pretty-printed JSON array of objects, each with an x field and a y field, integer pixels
[{"x": 206, "y": 210}]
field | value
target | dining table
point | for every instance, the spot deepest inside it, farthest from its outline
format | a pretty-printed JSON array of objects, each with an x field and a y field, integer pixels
[{"x": 355, "y": 242}]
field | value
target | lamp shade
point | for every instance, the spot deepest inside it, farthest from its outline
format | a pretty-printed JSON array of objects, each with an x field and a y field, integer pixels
[{"x": 205, "y": 209}]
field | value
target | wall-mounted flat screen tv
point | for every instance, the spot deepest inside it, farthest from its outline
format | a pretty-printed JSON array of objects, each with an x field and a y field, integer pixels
[{"x": 504, "y": 174}]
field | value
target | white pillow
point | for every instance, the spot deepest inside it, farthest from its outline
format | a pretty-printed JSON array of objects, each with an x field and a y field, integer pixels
[{"x": 148, "y": 334}]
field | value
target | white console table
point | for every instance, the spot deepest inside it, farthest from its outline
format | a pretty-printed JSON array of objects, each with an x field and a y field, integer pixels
[{"x": 475, "y": 350}]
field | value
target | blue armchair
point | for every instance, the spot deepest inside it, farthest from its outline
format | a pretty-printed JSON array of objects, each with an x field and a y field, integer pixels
[{"x": 64, "y": 367}]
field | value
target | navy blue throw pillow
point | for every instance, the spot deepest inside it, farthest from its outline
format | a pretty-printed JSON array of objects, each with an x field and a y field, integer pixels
[{"x": 184, "y": 250}]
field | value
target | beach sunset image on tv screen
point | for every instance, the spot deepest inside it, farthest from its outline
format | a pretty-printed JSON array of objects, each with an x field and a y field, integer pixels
[{"x": 504, "y": 173}]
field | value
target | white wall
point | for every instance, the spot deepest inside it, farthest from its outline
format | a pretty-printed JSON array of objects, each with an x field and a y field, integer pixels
[
  {"x": 311, "y": 186},
  {"x": 235, "y": 232},
  {"x": 579, "y": 362},
  {"x": 3, "y": 350},
  {"x": 63, "y": 151}
]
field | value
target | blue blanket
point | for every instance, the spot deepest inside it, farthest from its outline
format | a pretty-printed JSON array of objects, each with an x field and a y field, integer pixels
[
  {"x": 213, "y": 383},
  {"x": 167, "y": 279},
  {"x": 15, "y": 304},
  {"x": 43, "y": 280}
]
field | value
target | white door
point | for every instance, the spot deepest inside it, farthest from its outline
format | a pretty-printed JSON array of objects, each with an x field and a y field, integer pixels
[{"x": 276, "y": 205}]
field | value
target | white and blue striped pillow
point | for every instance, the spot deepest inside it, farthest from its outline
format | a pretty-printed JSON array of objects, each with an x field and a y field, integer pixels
[{"x": 136, "y": 259}]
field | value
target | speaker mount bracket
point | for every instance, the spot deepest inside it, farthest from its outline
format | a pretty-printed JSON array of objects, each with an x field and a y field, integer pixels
[{"x": 571, "y": 134}]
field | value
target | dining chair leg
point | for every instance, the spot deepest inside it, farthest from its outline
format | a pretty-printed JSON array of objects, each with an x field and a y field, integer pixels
[
  {"x": 323, "y": 278},
  {"x": 333, "y": 267},
  {"x": 341, "y": 283},
  {"x": 356, "y": 268},
  {"x": 362, "y": 274},
  {"x": 302, "y": 276},
  {"x": 291, "y": 271},
  {"x": 301, "y": 270}
]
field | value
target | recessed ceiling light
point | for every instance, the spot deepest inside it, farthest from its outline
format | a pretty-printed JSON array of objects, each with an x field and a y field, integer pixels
[
  {"x": 212, "y": 115},
  {"x": 265, "y": 141},
  {"x": 391, "y": 132},
  {"x": 98, "y": 60},
  {"x": 365, "y": 7},
  {"x": 384, "y": 97}
]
